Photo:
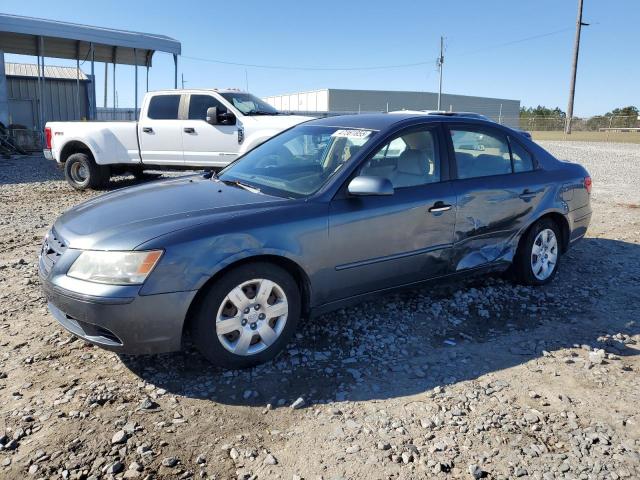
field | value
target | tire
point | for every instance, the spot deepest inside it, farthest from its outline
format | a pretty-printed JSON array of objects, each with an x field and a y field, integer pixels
[
  {"x": 224, "y": 344},
  {"x": 82, "y": 172},
  {"x": 529, "y": 266},
  {"x": 141, "y": 175}
]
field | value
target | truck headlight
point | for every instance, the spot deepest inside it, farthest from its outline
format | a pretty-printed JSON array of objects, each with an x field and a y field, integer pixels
[{"x": 116, "y": 268}]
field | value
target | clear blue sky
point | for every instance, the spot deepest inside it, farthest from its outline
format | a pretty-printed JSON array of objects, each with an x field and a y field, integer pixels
[{"x": 375, "y": 32}]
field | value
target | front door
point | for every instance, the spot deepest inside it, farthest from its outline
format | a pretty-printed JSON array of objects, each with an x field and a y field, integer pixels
[
  {"x": 497, "y": 189},
  {"x": 206, "y": 144},
  {"x": 383, "y": 241},
  {"x": 160, "y": 131}
]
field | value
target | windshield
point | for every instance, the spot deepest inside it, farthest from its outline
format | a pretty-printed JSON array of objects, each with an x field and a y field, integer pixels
[
  {"x": 249, "y": 104},
  {"x": 298, "y": 162}
]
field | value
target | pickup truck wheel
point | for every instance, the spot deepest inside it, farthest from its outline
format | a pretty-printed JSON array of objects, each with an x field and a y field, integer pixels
[
  {"x": 536, "y": 262},
  {"x": 82, "y": 172},
  {"x": 140, "y": 174},
  {"x": 247, "y": 316}
]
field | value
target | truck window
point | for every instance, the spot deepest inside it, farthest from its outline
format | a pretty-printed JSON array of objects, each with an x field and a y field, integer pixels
[
  {"x": 164, "y": 107},
  {"x": 198, "y": 105}
]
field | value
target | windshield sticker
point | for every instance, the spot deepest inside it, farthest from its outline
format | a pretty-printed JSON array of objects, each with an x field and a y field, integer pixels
[{"x": 362, "y": 134}]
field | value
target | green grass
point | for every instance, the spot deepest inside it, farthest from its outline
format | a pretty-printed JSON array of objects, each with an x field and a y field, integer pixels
[{"x": 621, "y": 137}]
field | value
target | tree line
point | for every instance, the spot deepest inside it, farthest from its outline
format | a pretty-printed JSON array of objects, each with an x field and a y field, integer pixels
[{"x": 544, "y": 118}]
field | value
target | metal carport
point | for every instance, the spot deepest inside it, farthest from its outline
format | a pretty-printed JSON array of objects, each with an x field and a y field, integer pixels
[{"x": 50, "y": 38}]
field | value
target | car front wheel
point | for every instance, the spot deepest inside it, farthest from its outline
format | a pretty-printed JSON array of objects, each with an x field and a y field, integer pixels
[
  {"x": 247, "y": 316},
  {"x": 537, "y": 260}
]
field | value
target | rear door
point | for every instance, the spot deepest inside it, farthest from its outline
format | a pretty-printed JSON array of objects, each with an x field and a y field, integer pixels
[
  {"x": 205, "y": 144},
  {"x": 160, "y": 130},
  {"x": 384, "y": 241},
  {"x": 497, "y": 188}
]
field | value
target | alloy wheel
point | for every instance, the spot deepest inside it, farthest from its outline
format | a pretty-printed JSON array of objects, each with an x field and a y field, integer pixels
[
  {"x": 544, "y": 254},
  {"x": 252, "y": 316}
]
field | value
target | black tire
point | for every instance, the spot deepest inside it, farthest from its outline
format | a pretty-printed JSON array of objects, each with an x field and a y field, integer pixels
[
  {"x": 82, "y": 172},
  {"x": 522, "y": 267},
  {"x": 203, "y": 327},
  {"x": 140, "y": 175}
]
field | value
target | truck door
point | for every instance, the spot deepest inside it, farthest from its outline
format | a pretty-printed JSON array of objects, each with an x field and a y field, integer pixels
[
  {"x": 160, "y": 131},
  {"x": 205, "y": 144}
]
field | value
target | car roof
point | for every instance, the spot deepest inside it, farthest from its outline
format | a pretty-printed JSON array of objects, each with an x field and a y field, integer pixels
[{"x": 382, "y": 121}]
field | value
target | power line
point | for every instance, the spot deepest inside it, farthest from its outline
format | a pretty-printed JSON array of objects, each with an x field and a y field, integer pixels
[{"x": 371, "y": 67}]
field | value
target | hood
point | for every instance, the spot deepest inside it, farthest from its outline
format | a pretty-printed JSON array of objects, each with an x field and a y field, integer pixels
[
  {"x": 280, "y": 122},
  {"x": 129, "y": 217}
]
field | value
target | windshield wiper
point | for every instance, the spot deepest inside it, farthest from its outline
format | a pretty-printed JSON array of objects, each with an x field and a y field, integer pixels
[
  {"x": 261, "y": 112},
  {"x": 238, "y": 183}
]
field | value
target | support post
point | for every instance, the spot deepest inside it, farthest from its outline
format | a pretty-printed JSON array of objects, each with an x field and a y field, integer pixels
[
  {"x": 77, "y": 112},
  {"x": 115, "y": 53},
  {"x": 44, "y": 89},
  {"x": 4, "y": 95},
  {"x": 106, "y": 83},
  {"x": 175, "y": 76},
  {"x": 135, "y": 59},
  {"x": 94, "y": 107}
]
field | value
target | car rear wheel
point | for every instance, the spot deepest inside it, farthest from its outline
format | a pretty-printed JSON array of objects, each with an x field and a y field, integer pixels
[
  {"x": 82, "y": 172},
  {"x": 247, "y": 316},
  {"x": 537, "y": 260}
]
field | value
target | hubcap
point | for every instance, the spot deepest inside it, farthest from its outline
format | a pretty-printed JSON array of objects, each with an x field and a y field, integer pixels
[
  {"x": 79, "y": 172},
  {"x": 252, "y": 316},
  {"x": 544, "y": 254}
]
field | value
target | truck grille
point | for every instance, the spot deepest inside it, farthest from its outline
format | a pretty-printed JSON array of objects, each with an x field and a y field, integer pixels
[{"x": 52, "y": 249}]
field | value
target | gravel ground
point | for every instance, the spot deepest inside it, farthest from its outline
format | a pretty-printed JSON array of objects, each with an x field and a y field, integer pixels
[{"x": 481, "y": 379}]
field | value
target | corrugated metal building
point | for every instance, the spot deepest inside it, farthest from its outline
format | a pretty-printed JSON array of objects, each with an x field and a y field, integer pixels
[
  {"x": 334, "y": 100},
  {"x": 62, "y": 99}
]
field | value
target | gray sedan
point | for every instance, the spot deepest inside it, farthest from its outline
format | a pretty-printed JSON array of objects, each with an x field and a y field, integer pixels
[{"x": 316, "y": 218}]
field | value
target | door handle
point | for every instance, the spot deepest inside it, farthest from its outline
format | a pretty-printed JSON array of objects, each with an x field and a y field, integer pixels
[
  {"x": 189, "y": 130},
  {"x": 147, "y": 129},
  {"x": 439, "y": 207},
  {"x": 528, "y": 194}
]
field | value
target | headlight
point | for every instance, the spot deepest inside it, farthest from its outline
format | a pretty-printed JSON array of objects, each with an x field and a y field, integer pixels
[{"x": 117, "y": 268}]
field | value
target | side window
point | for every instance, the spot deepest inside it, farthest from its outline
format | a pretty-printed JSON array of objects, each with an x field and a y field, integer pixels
[
  {"x": 164, "y": 107},
  {"x": 480, "y": 153},
  {"x": 198, "y": 105},
  {"x": 522, "y": 160},
  {"x": 409, "y": 160}
]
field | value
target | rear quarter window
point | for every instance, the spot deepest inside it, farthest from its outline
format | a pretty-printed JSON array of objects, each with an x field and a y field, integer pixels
[{"x": 522, "y": 159}]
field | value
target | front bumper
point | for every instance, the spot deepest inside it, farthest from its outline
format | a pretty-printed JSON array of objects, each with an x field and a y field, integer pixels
[{"x": 130, "y": 325}]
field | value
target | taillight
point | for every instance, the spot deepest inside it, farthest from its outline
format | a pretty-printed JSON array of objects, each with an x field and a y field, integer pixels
[
  {"x": 587, "y": 184},
  {"x": 47, "y": 137}
]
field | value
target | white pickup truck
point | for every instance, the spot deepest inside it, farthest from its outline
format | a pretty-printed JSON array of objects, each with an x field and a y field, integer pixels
[{"x": 176, "y": 129}]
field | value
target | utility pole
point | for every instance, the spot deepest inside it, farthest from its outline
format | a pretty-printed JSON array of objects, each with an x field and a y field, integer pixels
[
  {"x": 182, "y": 80},
  {"x": 440, "y": 62},
  {"x": 576, "y": 50}
]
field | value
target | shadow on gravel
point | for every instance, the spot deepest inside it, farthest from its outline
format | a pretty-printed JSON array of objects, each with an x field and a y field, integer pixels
[{"x": 407, "y": 343}]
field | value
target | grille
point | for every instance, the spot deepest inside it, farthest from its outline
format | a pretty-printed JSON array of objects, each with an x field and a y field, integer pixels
[{"x": 52, "y": 249}]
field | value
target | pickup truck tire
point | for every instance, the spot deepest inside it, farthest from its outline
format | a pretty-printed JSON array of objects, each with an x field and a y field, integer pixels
[
  {"x": 82, "y": 172},
  {"x": 140, "y": 174}
]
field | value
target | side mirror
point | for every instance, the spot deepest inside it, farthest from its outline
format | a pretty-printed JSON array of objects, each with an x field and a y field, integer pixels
[
  {"x": 366, "y": 186},
  {"x": 212, "y": 115}
]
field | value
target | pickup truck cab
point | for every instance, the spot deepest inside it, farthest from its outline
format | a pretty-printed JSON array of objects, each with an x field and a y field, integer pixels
[{"x": 176, "y": 129}]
